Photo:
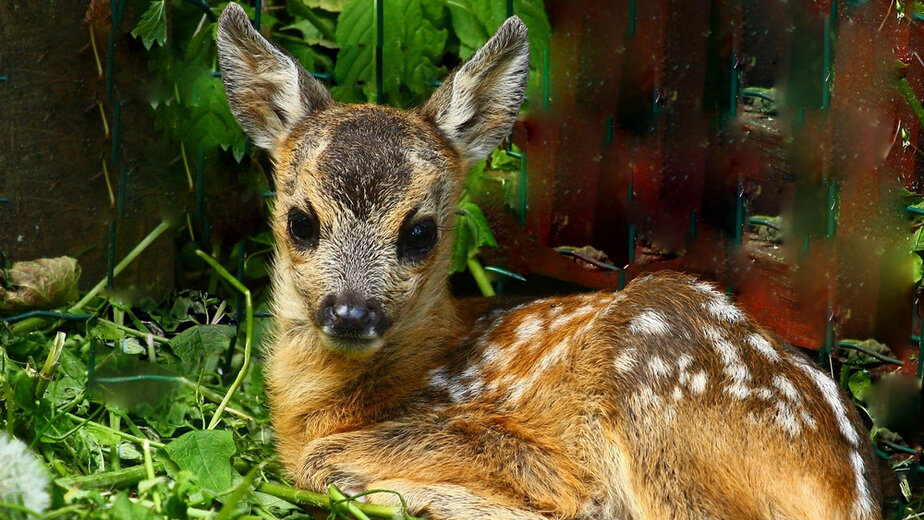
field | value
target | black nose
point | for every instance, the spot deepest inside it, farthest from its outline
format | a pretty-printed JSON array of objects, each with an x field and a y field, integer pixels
[{"x": 350, "y": 316}]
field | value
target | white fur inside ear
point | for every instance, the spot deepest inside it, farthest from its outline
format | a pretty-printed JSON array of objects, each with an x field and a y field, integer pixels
[
  {"x": 477, "y": 106},
  {"x": 268, "y": 91}
]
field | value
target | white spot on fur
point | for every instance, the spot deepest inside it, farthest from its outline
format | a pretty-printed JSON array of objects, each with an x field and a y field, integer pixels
[
  {"x": 650, "y": 323},
  {"x": 529, "y": 327},
  {"x": 808, "y": 419},
  {"x": 625, "y": 360},
  {"x": 832, "y": 396},
  {"x": 677, "y": 394},
  {"x": 698, "y": 382},
  {"x": 727, "y": 352},
  {"x": 863, "y": 505},
  {"x": 786, "y": 387},
  {"x": 438, "y": 379},
  {"x": 721, "y": 309},
  {"x": 552, "y": 357},
  {"x": 706, "y": 288},
  {"x": 738, "y": 373},
  {"x": 567, "y": 318},
  {"x": 738, "y": 390},
  {"x": 763, "y": 346},
  {"x": 684, "y": 362},
  {"x": 463, "y": 391},
  {"x": 658, "y": 367},
  {"x": 786, "y": 419},
  {"x": 763, "y": 393},
  {"x": 646, "y": 399}
]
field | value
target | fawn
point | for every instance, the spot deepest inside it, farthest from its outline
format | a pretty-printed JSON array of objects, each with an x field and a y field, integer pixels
[{"x": 660, "y": 401}]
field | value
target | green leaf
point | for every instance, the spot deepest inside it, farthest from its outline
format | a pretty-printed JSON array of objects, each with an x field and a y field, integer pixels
[
  {"x": 207, "y": 453},
  {"x": 125, "y": 509},
  {"x": 412, "y": 48},
  {"x": 311, "y": 34},
  {"x": 327, "y": 5},
  {"x": 195, "y": 343},
  {"x": 859, "y": 384},
  {"x": 472, "y": 232},
  {"x": 478, "y": 224},
  {"x": 918, "y": 267},
  {"x": 474, "y": 21},
  {"x": 40, "y": 284},
  {"x": 153, "y": 25}
]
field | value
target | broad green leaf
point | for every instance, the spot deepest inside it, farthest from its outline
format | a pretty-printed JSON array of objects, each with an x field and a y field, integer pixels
[
  {"x": 501, "y": 160},
  {"x": 195, "y": 343},
  {"x": 919, "y": 239},
  {"x": 859, "y": 384},
  {"x": 153, "y": 25},
  {"x": 312, "y": 60},
  {"x": 412, "y": 48},
  {"x": 40, "y": 284},
  {"x": 327, "y": 5},
  {"x": 478, "y": 224},
  {"x": 311, "y": 34},
  {"x": 472, "y": 232},
  {"x": 474, "y": 21},
  {"x": 918, "y": 268},
  {"x": 207, "y": 453},
  {"x": 125, "y": 509}
]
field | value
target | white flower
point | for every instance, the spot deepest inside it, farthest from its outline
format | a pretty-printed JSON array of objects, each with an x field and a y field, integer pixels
[{"x": 23, "y": 478}]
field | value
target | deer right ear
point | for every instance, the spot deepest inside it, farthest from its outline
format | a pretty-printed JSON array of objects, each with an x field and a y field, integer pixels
[
  {"x": 269, "y": 92},
  {"x": 476, "y": 106}
]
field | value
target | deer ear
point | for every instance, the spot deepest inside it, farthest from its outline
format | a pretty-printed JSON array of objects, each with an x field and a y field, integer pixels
[
  {"x": 477, "y": 105},
  {"x": 269, "y": 92}
]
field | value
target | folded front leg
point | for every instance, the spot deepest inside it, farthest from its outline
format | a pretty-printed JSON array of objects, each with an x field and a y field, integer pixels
[
  {"x": 479, "y": 455},
  {"x": 447, "y": 501}
]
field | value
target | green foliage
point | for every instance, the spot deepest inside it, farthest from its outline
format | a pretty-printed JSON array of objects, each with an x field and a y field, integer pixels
[
  {"x": 412, "y": 50},
  {"x": 472, "y": 232},
  {"x": 153, "y": 25},
  {"x": 197, "y": 343},
  {"x": 916, "y": 202},
  {"x": 39, "y": 284},
  {"x": 207, "y": 454}
]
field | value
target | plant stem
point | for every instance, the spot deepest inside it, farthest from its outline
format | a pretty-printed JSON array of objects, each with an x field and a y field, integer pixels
[
  {"x": 186, "y": 166},
  {"x": 908, "y": 93},
  {"x": 481, "y": 277},
  {"x": 116, "y": 424},
  {"x": 316, "y": 21},
  {"x": 149, "y": 473},
  {"x": 122, "y": 434},
  {"x": 248, "y": 336},
  {"x": 129, "y": 258},
  {"x": 233, "y": 498},
  {"x": 31, "y": 324},
  {"x": 133, "y": 332},
  {"x": 51, "y": 364},
  {"x": 113, "y": 479},
  {"x": 341, "y": 499},
  {"x": 322, "y": 501}
]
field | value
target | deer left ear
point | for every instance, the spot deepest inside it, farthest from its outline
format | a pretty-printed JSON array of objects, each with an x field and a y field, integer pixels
[
  {"x": 477, "y": 105},
  {"x": 269, "y": 92}
]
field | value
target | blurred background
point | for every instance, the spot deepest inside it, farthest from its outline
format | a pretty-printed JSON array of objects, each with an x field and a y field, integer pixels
[{"x": 773, "y": 147}]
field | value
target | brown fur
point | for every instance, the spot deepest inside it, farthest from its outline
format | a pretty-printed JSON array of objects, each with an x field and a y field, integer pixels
[{"x": 661, "y": 401}]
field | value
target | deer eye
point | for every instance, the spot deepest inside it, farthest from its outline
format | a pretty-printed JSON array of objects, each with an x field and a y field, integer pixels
[
  {"x": 417, "y": 239},
  {"x": 303, "y": 228}
]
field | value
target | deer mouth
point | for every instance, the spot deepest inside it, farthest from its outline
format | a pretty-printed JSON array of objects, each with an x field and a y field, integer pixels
[{"x": 351, "y": 345}]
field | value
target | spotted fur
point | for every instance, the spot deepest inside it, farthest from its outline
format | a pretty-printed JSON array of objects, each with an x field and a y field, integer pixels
[{"x": 662, "y": 401}]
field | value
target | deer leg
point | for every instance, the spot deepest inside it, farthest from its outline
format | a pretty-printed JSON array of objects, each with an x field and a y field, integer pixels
[
  {"x": 477, "y": 454},
  {"x": 447, "y": 501}
]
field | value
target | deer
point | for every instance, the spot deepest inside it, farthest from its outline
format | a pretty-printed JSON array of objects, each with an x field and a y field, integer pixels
[{"x": 660, "y": 401}]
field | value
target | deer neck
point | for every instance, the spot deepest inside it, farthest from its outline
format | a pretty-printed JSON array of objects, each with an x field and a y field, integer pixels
[{"x": 334, "y": 392}]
